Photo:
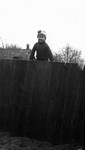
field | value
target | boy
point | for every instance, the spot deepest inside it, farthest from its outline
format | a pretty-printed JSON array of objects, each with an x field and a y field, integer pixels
[{"x": 42, "y": 50}]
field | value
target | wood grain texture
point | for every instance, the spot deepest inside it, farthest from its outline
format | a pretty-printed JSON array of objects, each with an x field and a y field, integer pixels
[{"x": 42, "y": 100}]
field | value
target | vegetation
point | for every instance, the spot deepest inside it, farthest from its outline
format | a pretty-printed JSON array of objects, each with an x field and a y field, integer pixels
[
  {"x": 69, "y": 55},
  {"x": 8, "y": 142},
  {"x": 12, "y": 46}
]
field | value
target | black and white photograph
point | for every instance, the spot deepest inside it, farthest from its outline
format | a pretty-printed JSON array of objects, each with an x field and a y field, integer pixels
[{"x": 42, "y": 75}]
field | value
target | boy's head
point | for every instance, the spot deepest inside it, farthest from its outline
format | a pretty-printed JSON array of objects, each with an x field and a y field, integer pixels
[{"x": 41, "y": 36}]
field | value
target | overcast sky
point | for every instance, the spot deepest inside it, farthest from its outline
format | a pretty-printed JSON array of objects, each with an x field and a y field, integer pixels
[{"x": 63, "y": 21}]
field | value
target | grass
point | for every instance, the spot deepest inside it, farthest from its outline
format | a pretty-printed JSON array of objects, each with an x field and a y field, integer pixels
[{"x": 8, "y": 142}]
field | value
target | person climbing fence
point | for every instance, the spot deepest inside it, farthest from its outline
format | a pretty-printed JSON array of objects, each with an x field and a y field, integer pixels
[{"x": 41, "y": 49}]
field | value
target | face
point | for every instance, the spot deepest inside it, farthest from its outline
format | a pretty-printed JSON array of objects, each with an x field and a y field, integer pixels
[{"x": 41, "y": 38}]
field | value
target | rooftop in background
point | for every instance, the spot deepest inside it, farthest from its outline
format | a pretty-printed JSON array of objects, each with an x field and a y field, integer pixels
[{"x": 15, "y": 53}]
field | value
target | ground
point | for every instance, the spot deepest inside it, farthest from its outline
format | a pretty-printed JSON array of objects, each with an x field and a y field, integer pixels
[{"x": 8, "y": 142}]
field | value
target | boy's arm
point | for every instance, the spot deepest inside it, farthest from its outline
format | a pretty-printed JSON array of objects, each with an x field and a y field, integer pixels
[
  {"x": 50, "y": 55},
  {"x": 32, "y": 53}
]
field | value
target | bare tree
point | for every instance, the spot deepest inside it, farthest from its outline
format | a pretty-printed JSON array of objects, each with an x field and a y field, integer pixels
[
  {"x": 2, "y": 43},
  {"x": 12, "y": 46},
  {"x": 69, "y": 55}
]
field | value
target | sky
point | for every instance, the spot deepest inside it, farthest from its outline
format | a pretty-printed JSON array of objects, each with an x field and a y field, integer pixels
[{"x": 63, "y": 21}]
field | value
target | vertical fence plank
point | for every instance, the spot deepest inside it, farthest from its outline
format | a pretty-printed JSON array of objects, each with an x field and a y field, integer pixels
[{"x": 38, "y": 119}]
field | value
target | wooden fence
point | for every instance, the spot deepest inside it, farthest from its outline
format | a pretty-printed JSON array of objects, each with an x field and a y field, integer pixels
[{"x": 42, "y": 100}]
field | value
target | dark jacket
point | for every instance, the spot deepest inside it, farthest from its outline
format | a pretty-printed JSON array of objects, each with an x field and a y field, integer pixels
[{"x": 43, "y": 52}]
